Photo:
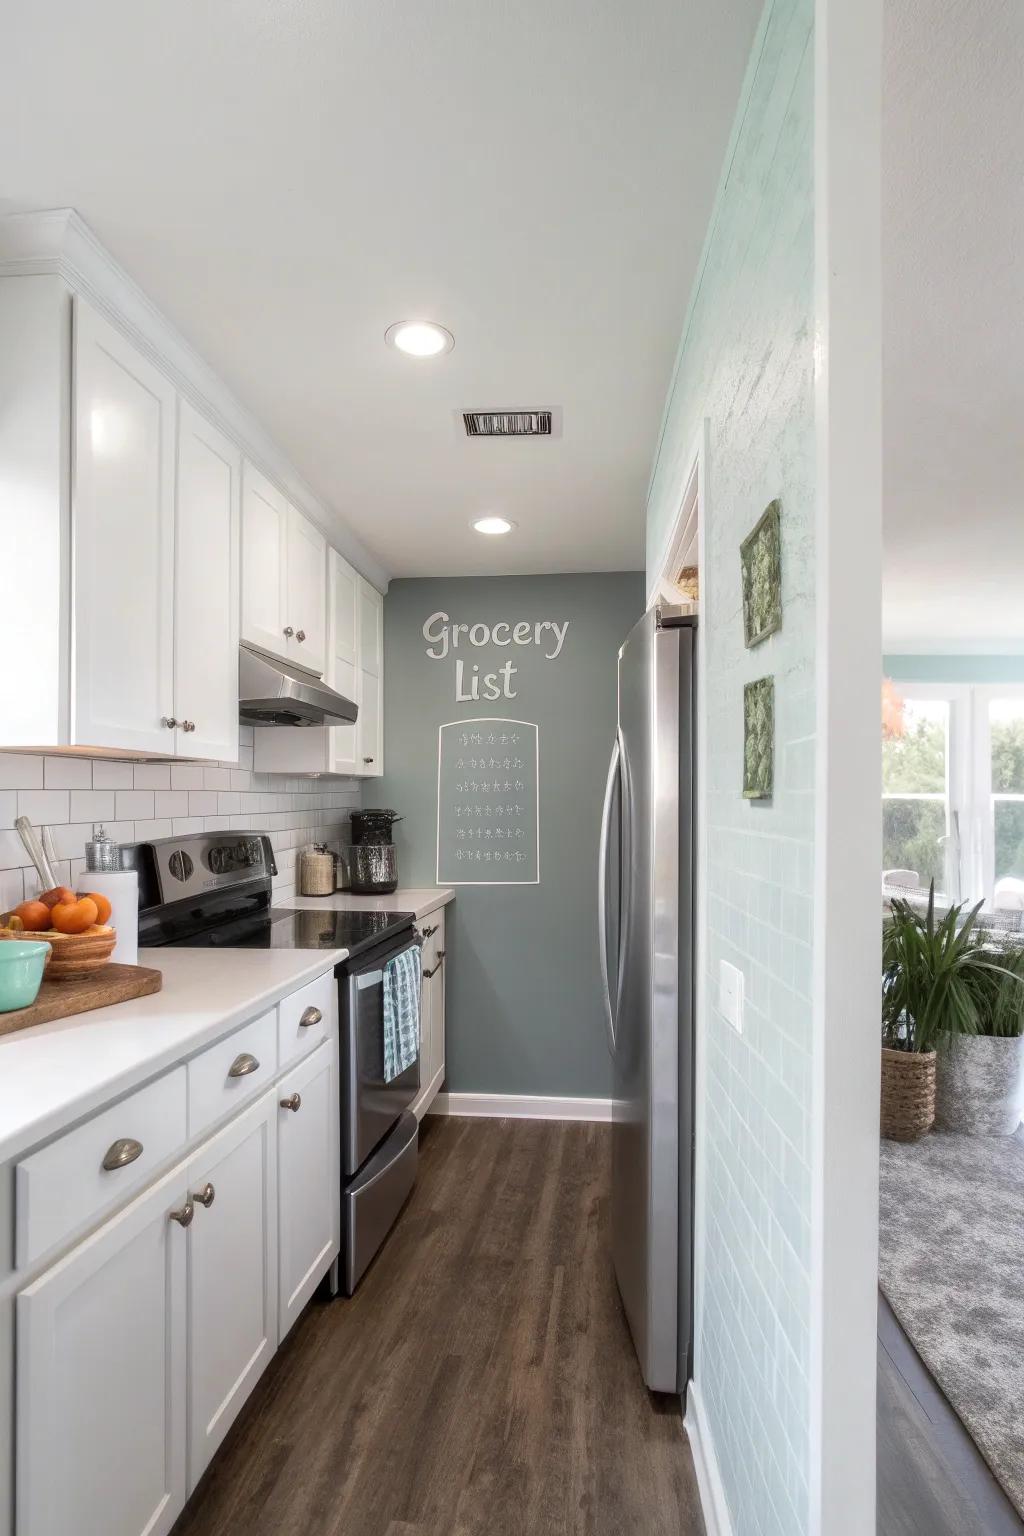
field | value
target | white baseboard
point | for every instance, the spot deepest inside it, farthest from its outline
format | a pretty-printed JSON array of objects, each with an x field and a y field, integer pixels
[
  {"x": 709, "y": 1478},
  {"x": 523, "y": 1106}
]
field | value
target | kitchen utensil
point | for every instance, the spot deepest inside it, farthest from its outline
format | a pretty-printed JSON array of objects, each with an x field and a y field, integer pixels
[
  {"x": 373, "y": 868},
  {"x": 102, "y": 853},
  {"x": 316, "y": 870},
  {"x": 34, "y": 848},
  {"x": 373, "y": 826},
  {"x": 50, "y": 851},
  {"x": 61, "y": 999},
  {"x": 121, "y": 888},
  {"x": 21, "y": 974}
]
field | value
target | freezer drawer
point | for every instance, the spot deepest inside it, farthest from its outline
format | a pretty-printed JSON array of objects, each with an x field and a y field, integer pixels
[{"x": 373, "y": 1199}]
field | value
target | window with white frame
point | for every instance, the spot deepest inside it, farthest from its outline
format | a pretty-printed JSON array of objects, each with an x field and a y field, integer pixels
[{"x": 953, "y": 788}]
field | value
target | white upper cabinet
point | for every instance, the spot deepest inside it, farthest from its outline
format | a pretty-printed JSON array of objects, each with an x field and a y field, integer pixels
[
  {"x": 207, "y": 528},
  {"x": 264, "y": 564},
  {"x": 371, "y": 684},
  {"x": 342, "y": 660},
  {"x": 284, "y": 577},
  {"x": 307, "y": 587},
  {"x": 122, "y": 531}
]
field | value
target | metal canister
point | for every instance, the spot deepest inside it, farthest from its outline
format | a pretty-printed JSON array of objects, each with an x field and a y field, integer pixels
[{"x": 102, "y": 853}]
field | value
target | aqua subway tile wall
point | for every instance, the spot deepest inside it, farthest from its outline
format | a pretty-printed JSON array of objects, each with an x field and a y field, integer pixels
[{"x": 746, "y": 366}]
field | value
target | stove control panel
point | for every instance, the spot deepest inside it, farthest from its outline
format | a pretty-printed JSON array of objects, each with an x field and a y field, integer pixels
[{"x": 197, "y": 864}]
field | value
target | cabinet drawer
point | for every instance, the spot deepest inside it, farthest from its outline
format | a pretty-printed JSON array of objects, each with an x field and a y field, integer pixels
[
  {"x": 305, "y": 1017},
  {"x": 84, "y": 1172},
  {"x": 231, "y": 1072}
]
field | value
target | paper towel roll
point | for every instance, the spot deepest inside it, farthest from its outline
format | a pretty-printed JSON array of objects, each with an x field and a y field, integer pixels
[{"x": 121, "y": 888}]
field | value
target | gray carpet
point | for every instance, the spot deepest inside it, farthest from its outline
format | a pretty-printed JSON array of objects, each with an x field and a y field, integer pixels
[{"x": 951, "y": 1263}]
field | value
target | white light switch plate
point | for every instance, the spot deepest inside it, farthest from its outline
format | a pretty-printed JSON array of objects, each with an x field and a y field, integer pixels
[{"x": 731, "y": 994}]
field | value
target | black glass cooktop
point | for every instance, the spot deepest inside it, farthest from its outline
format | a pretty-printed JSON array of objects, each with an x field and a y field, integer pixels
[{"x": 295, "y": 928}]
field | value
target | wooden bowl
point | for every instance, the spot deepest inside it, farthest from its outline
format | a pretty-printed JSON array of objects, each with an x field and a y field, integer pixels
[{"x": 73, "y": 954}]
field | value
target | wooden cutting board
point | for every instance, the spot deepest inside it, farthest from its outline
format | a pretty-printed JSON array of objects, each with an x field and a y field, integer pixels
[{"x": 79, "y": 994}]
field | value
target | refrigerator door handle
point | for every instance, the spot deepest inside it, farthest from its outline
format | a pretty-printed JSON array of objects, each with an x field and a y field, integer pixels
[{"x": 602, "y": 891}]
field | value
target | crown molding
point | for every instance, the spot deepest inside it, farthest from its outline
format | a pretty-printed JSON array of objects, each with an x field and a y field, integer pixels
[{"x": 58, "y": 242}]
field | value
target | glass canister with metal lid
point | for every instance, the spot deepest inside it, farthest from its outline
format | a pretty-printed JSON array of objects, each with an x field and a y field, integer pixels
[{"x": 316, "y": 870}]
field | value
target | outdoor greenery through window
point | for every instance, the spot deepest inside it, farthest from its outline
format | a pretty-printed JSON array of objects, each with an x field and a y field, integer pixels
[
  {"x": 953, "y": 790},
  {"x": 915, "y": 804}
]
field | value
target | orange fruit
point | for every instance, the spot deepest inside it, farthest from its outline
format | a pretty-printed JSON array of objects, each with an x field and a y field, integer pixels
[
  {"x": 60, "y": 893},
  {"x": 103, "y": 908},
  {"x": 34, "y": 914},
  {"x": 74, "y": 916}
]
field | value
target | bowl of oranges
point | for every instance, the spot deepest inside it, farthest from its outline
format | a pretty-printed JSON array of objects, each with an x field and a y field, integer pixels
[{"x": 75, "y": 926}]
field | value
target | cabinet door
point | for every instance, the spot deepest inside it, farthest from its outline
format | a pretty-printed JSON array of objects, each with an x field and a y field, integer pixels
[
  {"x": 307, "y": 590},
  {"x": 101, "y": 1379},
  {"x": 371, "y": 680},
  {"x": 343, "y": 655},
  {"x": 206, "y": 578},
  {"x": 122, "y": 529},
  {"x": 264, "y": 563},
  {"x": 309, "y": 1178},
  {"x": 232, "y": 1286}
]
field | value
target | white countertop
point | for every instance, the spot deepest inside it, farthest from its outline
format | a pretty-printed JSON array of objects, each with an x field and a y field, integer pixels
[
  {"x": 52, "y": 1074},
  {"x": 419, "y": 900}
]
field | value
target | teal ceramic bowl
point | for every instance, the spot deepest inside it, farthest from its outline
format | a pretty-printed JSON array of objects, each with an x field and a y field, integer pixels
[{"x": 22, "y": 962}]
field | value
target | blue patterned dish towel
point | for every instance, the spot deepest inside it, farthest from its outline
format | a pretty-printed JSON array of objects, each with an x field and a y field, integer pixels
[{"x": 401, "y": 1012}]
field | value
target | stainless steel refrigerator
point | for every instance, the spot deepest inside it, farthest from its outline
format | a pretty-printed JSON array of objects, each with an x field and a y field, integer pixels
[{"x": 646, "y": 918}]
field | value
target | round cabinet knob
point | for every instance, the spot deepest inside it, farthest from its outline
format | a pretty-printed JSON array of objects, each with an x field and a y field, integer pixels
[
  {"x": 184, "y": 1216},
  {"x": 288, "y": 631},
  {"x": 300, "y": 635},
  {"x": 367, "y": 759},
  {"x": 292, "y": 1102},
  {"x": 206, "y": 1195},
  {"x": 169, "y": 721},
  {"x": 188, "y": 725}
]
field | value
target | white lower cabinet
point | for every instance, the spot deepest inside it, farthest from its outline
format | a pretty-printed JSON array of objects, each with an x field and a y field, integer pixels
[
  {"x": 309, "y": 1181},
  {"x": 431, "y": 1012},
  {"x": 136, "y": 1350},
  {"x": 101, "y": 1379},
  {"x": 232, "y": 1279}
]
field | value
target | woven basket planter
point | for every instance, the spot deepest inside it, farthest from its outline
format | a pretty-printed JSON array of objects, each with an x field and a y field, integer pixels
[{"x": 908, "y": 1094}]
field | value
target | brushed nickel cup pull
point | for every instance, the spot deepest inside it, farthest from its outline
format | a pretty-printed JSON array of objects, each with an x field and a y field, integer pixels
[
  {"x": 288, "y": 631},
  {"x": 310, "y": 1016},
  {"x": 243, "y": 1065},
  {"x": 122, "y": 1152},
  {"x": 292, "y": 1102},
  {"x": 206, "y": 1195},
  {"x": 184, "y": 1216},
  {"x": 300, "y": 635}
]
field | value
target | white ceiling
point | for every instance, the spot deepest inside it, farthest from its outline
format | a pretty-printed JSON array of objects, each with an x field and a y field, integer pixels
[
  {"x": 286, "y": 178},
  {"x": 953, "y": 230}
]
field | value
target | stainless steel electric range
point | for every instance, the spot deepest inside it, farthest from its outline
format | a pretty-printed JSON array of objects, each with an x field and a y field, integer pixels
[{"x": 212, "y": 890}]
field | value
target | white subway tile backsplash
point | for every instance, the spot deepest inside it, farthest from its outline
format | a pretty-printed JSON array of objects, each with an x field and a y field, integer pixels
[
  {"x": 171, "y": 802},
  {"x": 92, "y": 805},
  {"x": 8, "y": 807},
  {"x": 134, "y": 804},
  {"x": 202, "y": 802},
  {"x": 180, "y": 825},
  {"x": 149, "y": 831},
  {"x": 216, "y": 778},
  {"x": 152, "y": 775},
  {"x": 12, "y": 851},
  {"x": 71, "y": 838},
  {"x": 43, "y": 805},
  {"x": 67, "y": 773},
  {"x": 228, "y": 803},
  {"x": 20, "y": 770},
  {"x": 108, "y": 775},
  {"x": 12, "y": 888},
  {"x": 186, "y": 775}
]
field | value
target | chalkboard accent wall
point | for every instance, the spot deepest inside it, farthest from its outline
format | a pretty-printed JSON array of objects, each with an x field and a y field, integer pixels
[{"x": 500, "y": 712}]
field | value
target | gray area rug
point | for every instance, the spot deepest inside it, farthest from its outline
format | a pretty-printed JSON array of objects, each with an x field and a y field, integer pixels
[{"x": 951, "y": 1262}]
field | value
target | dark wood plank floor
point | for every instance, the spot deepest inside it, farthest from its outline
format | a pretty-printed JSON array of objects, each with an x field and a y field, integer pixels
[
  {"x": 481, "y": 1380},
  {"x": 932, "y": 1479}
]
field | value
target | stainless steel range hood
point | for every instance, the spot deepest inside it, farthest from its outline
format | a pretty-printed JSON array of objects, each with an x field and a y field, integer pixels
[{"x": 273, "y": 693}]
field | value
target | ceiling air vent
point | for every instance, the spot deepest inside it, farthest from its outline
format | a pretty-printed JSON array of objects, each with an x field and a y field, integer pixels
[{"x": 507, "y": 423}]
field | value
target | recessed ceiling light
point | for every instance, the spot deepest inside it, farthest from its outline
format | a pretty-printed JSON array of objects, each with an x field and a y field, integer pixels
[
  {"x": 493, "y": 525},
  {"x": 419, "y": 338}
]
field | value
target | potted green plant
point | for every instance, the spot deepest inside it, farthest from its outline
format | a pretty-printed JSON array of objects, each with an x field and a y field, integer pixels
[
  {"x": 980, "y": 1074},
  {"x": 933, "y": 974}
]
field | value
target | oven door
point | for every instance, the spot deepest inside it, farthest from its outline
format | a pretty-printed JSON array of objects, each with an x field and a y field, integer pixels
[{"x": 369, "y": 1106}]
